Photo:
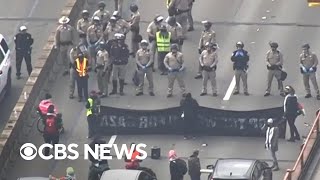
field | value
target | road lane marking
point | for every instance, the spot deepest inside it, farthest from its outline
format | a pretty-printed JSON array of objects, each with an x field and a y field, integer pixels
[
  {"x": 230, "y": 89},
  {"x": 112, "y": 139}
]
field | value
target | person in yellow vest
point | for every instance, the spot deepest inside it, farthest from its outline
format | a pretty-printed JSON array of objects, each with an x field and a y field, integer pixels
[
  {"x": 175, "y": 64},
  {"x": 81, "y": 65},
  {"x": 93, "y": 110},
  {"x": 163, "y": 39}
]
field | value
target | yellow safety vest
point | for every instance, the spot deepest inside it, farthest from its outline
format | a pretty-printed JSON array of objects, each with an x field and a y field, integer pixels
[
  {"x": 81, "y": 67},
  {"x": 163, "y": 43},
  {"x": 89, "y": 110}
]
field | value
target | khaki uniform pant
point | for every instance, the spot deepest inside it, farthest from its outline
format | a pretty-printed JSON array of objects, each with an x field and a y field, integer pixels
[
  {"x": 141, "y": 74},
  {"x": 312, "y": 77},
  {"x": 102, "y": 81},
  {"x": 206, "y": 76},
  {"x": 243, "y": 75},
  {"x": 182, "y": 19},
  {"x": 64, "y": 56},
  {"x": 119, "y": 72},
  {"x": 153, "y": 50},
  {"x": 72, "y": 81},
  {"x": 277, "y": 75},
  {"x": 172, "y": 76}
]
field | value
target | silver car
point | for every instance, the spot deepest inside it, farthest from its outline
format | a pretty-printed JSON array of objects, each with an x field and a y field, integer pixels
[{"x": 120, "y": 174}]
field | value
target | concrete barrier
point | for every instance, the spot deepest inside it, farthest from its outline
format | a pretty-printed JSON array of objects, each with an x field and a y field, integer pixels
[{"x": 11, "y": 136}]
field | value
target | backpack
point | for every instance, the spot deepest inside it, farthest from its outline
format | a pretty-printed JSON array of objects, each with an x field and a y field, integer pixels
[
  {"x": 182, "y": 166},
  {"x": 51, "y": 125}
]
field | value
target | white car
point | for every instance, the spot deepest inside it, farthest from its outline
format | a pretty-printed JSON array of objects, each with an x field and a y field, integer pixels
[{"x": 5, "y": 68}]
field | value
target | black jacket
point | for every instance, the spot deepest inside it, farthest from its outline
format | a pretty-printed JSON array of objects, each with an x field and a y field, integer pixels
[
  {"x": 23, "y": 41},
  {"x": 189, "y": 107},
  {"x": 174, "y": 171},
  {"x": 119, "y": 54},
  {"x": 91, "y": 158},
  {"x": 240, "y": 60},
  {"x": 290, "y": 106}
]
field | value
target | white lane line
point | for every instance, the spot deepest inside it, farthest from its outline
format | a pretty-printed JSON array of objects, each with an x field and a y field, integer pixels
[
  {"x": 112, "y": 139},
  {"x": 230, "y": 89}
]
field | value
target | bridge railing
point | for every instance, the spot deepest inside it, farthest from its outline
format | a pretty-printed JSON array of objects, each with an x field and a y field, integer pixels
[{"x": 310, "y": 142}]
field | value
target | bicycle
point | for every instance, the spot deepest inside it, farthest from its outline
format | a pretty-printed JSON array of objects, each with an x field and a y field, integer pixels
[{"x": 40, "y": 124}]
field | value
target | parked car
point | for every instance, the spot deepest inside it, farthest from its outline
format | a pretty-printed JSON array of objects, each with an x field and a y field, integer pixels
[
  {"x": 116, "y": 174},
  {"x": 5, "y": 68},
  {"x": 33, "y": 178},
  {"x": 238, "y": 169}
]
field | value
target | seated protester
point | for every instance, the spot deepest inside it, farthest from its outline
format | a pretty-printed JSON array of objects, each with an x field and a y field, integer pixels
[
  {"x": 133, "y": 163},
  {"x": 44, "y": 105},
  {"x": 52, "y": 126},
  {"x": 70, "y": 175},
  {"x": 98, "y": 166}
]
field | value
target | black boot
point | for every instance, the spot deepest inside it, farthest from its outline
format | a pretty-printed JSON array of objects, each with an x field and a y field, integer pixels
[
  {"x": 114, "y": 87},
  {"x": 121, "y": 82}
]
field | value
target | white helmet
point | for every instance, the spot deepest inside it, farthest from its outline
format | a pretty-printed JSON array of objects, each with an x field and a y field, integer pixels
[{"x": 23, "y": 28}]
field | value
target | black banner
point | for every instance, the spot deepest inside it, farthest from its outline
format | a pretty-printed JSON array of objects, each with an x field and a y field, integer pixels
[{"x": 168, "y": 121}]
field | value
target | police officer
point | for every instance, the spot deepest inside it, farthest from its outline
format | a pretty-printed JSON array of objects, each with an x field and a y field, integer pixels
[
  {"x": 308, "y": 67},
  {"x": 208, "y": 61},
  {"x": 240, "y": 59},
  {"x": 135, "y": 29},
  {"x": 94, "y": 37},
  {"x": 125, "y": 26},
  {"x": 175, "y": 64},
  {"x": 152, "y": 29},
  {"x": 274, "y": 66},
  {"x": 81, "y": 48},
  {"x": 208, "y": 35},
  {"x": 81, "y": 65},
  {"x": 83, "y": 25},
  {"x": 65, "y": 37},
  {"x": 23, "y": 41},
  {"x": 112, "y": 29},
  {"x": 176, "y": 32},
  {"x": 182, "y": 9},
  {"x": 93, "y": 110},
  {"x": 163, "y": 39},
  {"x": 103, "y": 14},
  {"x": 144, "y": 62},
  {"x": 102, "y": 66},
  {"x": 119, "y": 55}
]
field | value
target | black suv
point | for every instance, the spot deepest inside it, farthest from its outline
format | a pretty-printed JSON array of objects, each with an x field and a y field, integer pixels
[{"x": 239, "y": 169}]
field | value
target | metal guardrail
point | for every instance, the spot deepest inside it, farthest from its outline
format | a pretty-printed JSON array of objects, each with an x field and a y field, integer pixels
[{"x": 310, "y": 142}]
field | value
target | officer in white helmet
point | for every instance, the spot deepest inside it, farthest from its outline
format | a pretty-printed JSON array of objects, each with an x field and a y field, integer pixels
[
  {"x": 144, "y": 67},
  {"x": 94, "y": 37},
  {"x": 23, "y": 41},
  {"x": 65, "y": 38}
]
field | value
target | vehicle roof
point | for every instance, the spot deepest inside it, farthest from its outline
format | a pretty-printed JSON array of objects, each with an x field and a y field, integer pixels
[
  {"x": 239, "y": 168},
  {"x": 120, "y": 174},
  {"x": 33, "y": 178}
]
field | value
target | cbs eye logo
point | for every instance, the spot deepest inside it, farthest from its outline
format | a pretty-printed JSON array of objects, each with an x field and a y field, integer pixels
[{"x": 28, "y": 151}]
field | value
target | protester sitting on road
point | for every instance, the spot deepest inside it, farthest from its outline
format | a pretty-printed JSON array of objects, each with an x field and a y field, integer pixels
[{"x": 69, "y": 176}]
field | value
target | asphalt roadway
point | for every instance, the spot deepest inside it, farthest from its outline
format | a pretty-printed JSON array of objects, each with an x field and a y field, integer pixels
[
  {"x": 289, "y": 22},
  {"x": 40, "y": 21}
]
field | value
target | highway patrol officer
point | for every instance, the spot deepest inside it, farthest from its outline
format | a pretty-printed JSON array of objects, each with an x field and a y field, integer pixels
[
  {"x": 94, "y": 37},
  {"x": 112, "y": 29},
  {"x": 176, "y": 32},
  {"x": 103, "y": 14},
  {"x": 208, "y": 61},
  {"x": 308, "y": 67},
  {"x": 144, "y": 62},
  {"x": 274, "y": 66},
  {"x": 175, "y": 64},
  {"x": 23, "y": 41},
  {"x": 163, "y": 39},
  {"x": 240, "y": 59},
  {"x": 208, "y": 35},
  {"x": 93, "y": 110},
  {"x": 152, "y": 29},
  {"x": 102, "y": 66},
  {"x": 73, "y": 73},
  {"x": 83, "y": 25},
  {"x": 119, "y": 55},
  {"x": 81, "y": 66},
  {"x": 65, "y": 36},
  {"x": 125, "y": 26},
  {"x": 135, "y": 29},
  {"x": 182, "y": 8}
]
